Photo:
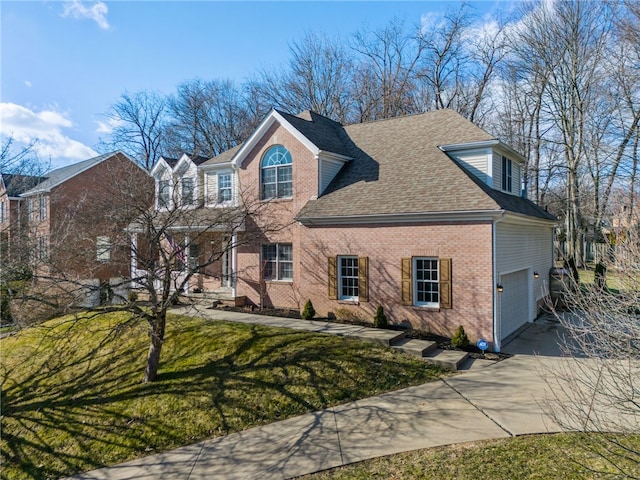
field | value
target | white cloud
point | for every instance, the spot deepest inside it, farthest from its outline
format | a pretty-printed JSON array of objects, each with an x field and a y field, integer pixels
[
  {"x": 82, "y": 10},
  {"x": 44, "y": 127},
  {"x": 109, "y": 126},
  {"x": 27, "y": 83}
]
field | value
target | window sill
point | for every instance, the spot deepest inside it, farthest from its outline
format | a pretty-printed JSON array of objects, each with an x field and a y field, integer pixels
[
  {"x": 276, "y": 200},
  {"x": 425, "y": 308},
  {"x": 278, "y": 281},
  {"x": 348, "y": 302}
]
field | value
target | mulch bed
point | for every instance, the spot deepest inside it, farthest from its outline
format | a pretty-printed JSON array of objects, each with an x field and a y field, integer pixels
[{"x": 443, "y": 343}]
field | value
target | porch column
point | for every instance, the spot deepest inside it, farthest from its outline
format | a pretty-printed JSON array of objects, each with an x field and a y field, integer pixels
[{"x": 234, "y": 263}]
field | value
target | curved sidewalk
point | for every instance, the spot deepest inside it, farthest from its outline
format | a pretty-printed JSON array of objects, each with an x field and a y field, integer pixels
[{"x": 499, "y": 400}]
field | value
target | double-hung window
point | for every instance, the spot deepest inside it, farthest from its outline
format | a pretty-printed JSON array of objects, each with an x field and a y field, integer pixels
[
  {"x": 3, "y": 212},
  {"x": 276, "y": 174},
  {"x": 348, "y": 278},
  {"x": 187, "y": 191},
  {"x": 224, "y": 188},
  {"x": 426, "y": 291},
  {"x": 277, "y": 261},
  {"x": 426, "y": 282},
  {"x": 507, "y": 175},
  {"x": 164, "y": 192},
  {"x": 42, "y": 207}
]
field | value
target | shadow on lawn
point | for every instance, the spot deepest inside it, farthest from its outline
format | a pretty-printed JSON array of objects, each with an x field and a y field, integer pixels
[{"x": 77, "y": 410}]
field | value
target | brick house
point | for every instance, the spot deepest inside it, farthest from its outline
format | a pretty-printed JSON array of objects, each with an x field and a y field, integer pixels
[
  {"x": 13, "y": 216},
  {"x": 75, "y": 218},
  {"x": 421, "y": 214}
]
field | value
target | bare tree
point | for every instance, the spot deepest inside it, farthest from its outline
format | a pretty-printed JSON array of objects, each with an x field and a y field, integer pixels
[
  {"x": 318, "y": 78},
  {"x": 386, "y": 70},
  {"x": 208, "y": 118},
  {"x": 565, "y": 42},
  {"x": 139, "y": 122},
  {"x": 596, "y": 389}
]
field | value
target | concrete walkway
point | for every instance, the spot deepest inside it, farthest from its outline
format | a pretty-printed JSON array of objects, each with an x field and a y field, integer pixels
[{"x": 494, "y": 401}]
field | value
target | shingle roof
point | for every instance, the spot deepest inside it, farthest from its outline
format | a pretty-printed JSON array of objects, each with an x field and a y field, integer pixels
[
  {"x": 16, "y": 184},
  {"x": 398, "y": 168},
  {"x": 323, "y": 132},
  {"x": 224, "y": 157},
  {"x": 198, "y": 159},
  {"x": 59, "y": 175}
]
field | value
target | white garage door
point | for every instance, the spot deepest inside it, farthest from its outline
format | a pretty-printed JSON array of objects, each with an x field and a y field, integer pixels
[{"x": 514, "y": 302}]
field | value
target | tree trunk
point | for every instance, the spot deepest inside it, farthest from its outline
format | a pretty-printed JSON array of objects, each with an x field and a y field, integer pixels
[{"x": 153, "y": 358}]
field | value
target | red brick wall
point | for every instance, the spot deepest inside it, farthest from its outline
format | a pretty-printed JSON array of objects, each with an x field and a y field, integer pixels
[{"x": 468, "y": 245}]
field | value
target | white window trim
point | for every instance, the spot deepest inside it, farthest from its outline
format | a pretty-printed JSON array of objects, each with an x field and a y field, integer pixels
[
  {"x": 169, "y": 204},
  {"x": 194, "y": 193},
  {"x": 340, "y": 277},
  {"x": 414, "y": 271}
]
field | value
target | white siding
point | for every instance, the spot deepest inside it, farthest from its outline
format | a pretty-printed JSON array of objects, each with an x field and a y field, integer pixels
[
  {"x": 516, "y": 174},
  {"x": 211, "y": 186},
  {"x": 328, "y": 170},
  {"x": 520, "y": 246},
  {"x": 476, "y": 162}
]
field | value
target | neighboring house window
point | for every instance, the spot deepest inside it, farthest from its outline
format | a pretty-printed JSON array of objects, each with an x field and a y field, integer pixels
[
  {"x": 506, "y": 174},
  {"x": 3, "y": 212},
  {"x": 194, "y": 257},
  {"x": 426, "y": 282},
  {"x": 224, "y": 188},
  {"x": 42, "y": 207},
  {"x": 31, "y": 209},
  {"x": 348, "y": 278},
  {"x": 163, "y": 193},
  {"x": 103, "y": 249},
  {"x": 42, "y": 248},
  {"x": 276, "y": 177},
  {"x": 187, "y": 191},
  {"x": 277, "y": 261}
]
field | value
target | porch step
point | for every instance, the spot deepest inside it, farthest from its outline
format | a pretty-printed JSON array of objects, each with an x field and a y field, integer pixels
[
  {"x": 449, "y": 359},
  {"x": 419, "y": 348}
]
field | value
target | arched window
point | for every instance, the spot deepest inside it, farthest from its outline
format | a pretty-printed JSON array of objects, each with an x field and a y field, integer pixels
[{"x": 276, "y": 173}]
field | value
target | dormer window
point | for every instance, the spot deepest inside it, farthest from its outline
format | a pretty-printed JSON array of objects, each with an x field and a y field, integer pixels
[
  {"x": 187, "y": 191},
  {"x": 507, "y": 175},
  {"x": 276, "y": 174}
]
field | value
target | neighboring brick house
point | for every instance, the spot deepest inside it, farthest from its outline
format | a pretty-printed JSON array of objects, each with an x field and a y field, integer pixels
[
  {"x": 421, "y": 214},
  {"x": 76, "y": 217},
  {"x": 13, "y": 216}
]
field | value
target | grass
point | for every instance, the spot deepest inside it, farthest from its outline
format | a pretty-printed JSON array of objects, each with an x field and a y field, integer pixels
[
  {"x": 72, "y": 398},
  {"x": 543, "y": 457}
]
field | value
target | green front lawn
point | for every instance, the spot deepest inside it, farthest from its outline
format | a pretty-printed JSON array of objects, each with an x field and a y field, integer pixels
[
  {"x": 574, "y": 456},
  {"x": 72, "y": 398}
]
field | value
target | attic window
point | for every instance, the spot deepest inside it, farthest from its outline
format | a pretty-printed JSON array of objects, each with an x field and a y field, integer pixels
[{"x": 276, "y": 174}]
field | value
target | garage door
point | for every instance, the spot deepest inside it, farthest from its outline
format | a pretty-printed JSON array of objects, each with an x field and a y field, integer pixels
[{"x": 514, "y": 302}]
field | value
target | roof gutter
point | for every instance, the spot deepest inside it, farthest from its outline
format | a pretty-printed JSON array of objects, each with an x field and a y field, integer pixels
[{"x": 396, "y": 218}]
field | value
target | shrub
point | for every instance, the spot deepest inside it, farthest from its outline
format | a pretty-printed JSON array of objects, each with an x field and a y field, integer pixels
[
  {"x": 380, "y": 320},
  {"x": 133, "y": 296},
  {"x": 460, "y": 339},
  {"x": 308, "y": 312},
  {"x": 600, "y": 276}
]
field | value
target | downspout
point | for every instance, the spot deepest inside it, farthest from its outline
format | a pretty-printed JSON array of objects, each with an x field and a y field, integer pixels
[
  {"x": 496, "y": 337},
  {"x": 234, "y": 263}
]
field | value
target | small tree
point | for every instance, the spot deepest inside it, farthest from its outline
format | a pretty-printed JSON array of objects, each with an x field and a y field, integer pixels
[
  {"x": 308, "y": 312},
  {"x": 460, "y": 339},
  {"x": 380, "y": 319},
  {"x": 600, "y": 276}
]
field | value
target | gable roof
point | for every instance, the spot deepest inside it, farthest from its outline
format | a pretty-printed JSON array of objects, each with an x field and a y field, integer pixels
[
  {"x": 15, "y": 184},
  {"x": 61, "y": 175},
  {"x": 399, "y": 169}
]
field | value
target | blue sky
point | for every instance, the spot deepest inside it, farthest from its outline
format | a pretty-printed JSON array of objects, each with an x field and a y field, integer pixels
[{"x": 63, "y": 63}]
